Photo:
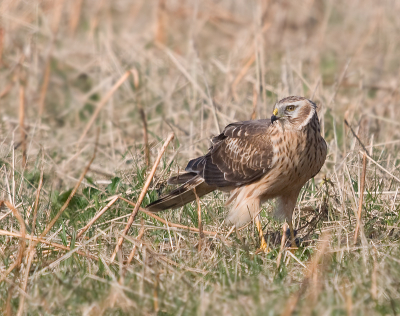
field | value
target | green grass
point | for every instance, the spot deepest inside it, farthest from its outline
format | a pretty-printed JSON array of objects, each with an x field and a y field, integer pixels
[{"x": 302, "y": 50}]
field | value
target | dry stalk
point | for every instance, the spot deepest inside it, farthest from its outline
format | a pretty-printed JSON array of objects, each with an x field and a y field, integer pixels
[
  {"x": 283, "y": 242},
  {"x": 230, "y": 231},
  {"x": 382, "y": 168},
  {"x": 139, "y": 237},
  {"x": 97, "y": 216},
  {"x": 22, "y": 242},
  {"x": 141, "y": 196},
  {"x": 133, "y": 252},
  {"x": 58, "y": 6},
  {"x": 31, "y": 250},
  {"x": 75, "y": 16},
  {"x": 161, "y": 22},
  {"x": 44, "y": 241},
  {"x": 355, "y": 135},
  {"x": 1, "y": 45},
  {"x": 360, "y": 202},
  {"x": 45, "y": 84},
  {"x": 25, "y": 282}
]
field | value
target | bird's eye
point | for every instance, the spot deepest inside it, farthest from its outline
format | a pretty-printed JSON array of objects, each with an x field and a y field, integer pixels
[{"x": 290, "y": 108}]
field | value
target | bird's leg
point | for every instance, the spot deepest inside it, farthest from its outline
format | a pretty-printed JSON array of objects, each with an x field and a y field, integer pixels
[
  {"x": 263, "y": 244},
  {"x": 292, "y": 239}
]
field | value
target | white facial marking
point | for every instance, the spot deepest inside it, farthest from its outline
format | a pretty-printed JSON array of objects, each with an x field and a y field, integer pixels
[{"x": 295, "y": 113}]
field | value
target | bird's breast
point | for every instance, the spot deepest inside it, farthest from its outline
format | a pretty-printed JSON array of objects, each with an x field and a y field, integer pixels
[{"x": 298, "y": 156}]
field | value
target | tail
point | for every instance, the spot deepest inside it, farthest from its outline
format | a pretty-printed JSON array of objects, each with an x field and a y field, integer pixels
[{"x": 182, "y": 195}]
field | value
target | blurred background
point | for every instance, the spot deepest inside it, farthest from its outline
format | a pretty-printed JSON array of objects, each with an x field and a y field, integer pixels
[{"x": 194, "y": 67}]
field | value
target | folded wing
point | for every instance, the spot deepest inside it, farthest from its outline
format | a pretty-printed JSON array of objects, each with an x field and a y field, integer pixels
[{"x": 241, "y": 154}]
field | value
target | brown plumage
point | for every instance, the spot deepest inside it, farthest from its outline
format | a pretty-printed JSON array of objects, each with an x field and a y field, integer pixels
[{"x": 256, "y": 161}]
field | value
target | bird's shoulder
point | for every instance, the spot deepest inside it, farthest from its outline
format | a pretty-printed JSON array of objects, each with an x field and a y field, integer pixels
[
  {"x": 243, "y": 129},
  {"x": 242, "y": 153}
]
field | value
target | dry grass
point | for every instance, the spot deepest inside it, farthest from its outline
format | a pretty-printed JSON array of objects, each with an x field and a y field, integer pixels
[{"x": 136, "y": 71}]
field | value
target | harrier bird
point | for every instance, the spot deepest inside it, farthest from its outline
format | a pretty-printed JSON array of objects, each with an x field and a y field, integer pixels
[{"x": 256, "y": 161}]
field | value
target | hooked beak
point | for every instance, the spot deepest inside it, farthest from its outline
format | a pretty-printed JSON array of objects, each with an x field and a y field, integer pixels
[{"x": 275, "y": 116}]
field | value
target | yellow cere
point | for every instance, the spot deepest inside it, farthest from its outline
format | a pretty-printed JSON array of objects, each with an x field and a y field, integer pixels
[{"x": 275, "y": 112}]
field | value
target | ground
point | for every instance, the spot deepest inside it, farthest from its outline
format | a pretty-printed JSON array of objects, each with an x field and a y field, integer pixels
[{"x": 110, "y": 80}]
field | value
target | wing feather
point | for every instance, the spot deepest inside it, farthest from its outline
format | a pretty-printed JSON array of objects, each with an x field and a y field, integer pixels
[{"x": 242, "y": 153}]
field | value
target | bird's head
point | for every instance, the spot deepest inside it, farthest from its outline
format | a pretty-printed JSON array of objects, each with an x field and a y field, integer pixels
[{"x": 294, "y": 112}]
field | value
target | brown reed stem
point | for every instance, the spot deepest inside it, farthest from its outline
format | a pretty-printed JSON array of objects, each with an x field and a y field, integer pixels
[
  {"x": 45, "y": 84},
  {"x": 31, "y": 250},
  {"x": 38, "y": 240},
  {"x": 75, "y": 16},
  {"x": 96, "y": 217},
  {"x": 22, "y": 243},
  {"x": 141, "y": 196}
]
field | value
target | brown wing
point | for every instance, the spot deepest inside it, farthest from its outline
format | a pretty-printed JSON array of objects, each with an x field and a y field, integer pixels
[{"x": 241, "y": 154}]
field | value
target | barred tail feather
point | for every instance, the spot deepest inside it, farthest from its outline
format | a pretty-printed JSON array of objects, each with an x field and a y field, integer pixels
[{"x": 182, "y": 195}]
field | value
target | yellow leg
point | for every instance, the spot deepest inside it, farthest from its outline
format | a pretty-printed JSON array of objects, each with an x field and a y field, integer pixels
[
  {"x": 292, "y": 239},
  {"x": 283, "y": 242},
  {"x": 263, "y": 245}
]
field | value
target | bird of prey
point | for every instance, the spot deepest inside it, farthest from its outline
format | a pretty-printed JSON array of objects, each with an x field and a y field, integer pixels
[{"x": 256, "y": 161}]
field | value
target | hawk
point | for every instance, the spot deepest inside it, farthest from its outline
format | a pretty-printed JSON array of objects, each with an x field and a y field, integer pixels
[{"x": 256, "y": 161}]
